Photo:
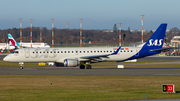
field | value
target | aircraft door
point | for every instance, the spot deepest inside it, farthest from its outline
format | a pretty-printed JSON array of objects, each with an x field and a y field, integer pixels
[{"x": 27, "y": 53}]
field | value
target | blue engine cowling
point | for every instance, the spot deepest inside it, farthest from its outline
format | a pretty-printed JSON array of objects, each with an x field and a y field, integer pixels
[{"x": 71, "y": 63}]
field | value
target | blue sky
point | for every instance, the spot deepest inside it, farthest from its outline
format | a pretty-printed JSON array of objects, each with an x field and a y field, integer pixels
[{"x": 96, "y": 14}]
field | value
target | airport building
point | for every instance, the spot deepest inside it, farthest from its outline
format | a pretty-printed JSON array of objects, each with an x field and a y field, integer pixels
[{"x": 175, "y": 41}]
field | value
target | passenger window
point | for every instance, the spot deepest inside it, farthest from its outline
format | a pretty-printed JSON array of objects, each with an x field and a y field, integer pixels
[
  {"x": 68, "y": 51},
  {"x": 72, "y": 51},
  {"x": 44, "y": 52},
  {"x": 124, "y": 51},
  {"x": 94, "y": 51},
  {"x": 91, "y": 51},
  {"x": 84, "y": 51},
  {"x": 36, "y": 52},
  {"x": 54, "y": 51},
  {"x": 76, "y": 51},
  {"x": 131, "y": 51},
  {"x": 79, "y": 51},
  {"x": 111, "y": 51},
  {"x": 58, "y": 51},
  {"x": 98, "y": 51},
  {"x": 87, "y": 51},
  {"x": 64, "y": 51},
  {"x": 107, "y": 51},
  {"x": 61, "y": 51}
]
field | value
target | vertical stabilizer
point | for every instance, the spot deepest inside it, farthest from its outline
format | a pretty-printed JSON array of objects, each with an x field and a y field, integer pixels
[
  {"x": 156, "y": 40},
  {"x": 12, "y": 41}
]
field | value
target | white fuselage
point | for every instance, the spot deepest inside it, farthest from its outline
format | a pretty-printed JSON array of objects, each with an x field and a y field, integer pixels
[
  {"x": 6, "y": 46},
  {"x": 60, "y": 54},
  {"x": 35, "y": 45}
]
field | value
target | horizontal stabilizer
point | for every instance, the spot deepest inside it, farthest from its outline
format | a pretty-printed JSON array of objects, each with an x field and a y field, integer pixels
[{"x": 163, "y": 49}]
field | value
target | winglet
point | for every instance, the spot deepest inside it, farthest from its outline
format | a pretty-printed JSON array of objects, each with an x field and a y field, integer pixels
[{"x": 116, "y": 51}]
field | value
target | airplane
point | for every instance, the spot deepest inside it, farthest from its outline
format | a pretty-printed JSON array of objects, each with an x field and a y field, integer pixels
[
  {"x": 26, "y": 45},
  {"x": 81, "y": 56},
  {"x": 6, "y": 47}
]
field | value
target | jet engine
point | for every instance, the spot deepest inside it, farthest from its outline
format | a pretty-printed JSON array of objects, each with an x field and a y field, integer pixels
[{"x": 71, "y": 62}]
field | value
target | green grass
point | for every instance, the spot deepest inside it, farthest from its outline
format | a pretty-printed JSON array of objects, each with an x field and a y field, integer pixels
[
  {"x": 9, "y": 64},
  {"x": 83, "y": 88},
  {"x": 86, "y": 88}
]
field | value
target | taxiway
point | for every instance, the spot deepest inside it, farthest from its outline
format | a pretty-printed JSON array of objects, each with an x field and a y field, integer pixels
[
  {"x": 101, "y": 71},
  {"x": 95, "y": 71}
]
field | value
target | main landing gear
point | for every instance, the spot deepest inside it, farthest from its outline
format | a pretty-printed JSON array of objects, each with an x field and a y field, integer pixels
[
  {"x": 21, "y": 65},
  {"x": 88, "y": 66},
  {"x": 82, "y": 66}
]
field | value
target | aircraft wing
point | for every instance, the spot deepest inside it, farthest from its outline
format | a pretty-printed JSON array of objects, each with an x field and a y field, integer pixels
[
  {"x": 95, "y": 56},
  {"x": 17, "y": 47},
  {"x": 25, "y": 47},
  {"x": 99, "y": 56}
]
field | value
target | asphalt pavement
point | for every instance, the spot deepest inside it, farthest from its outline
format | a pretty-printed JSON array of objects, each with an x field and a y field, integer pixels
[{"x": 94, "y": 71}]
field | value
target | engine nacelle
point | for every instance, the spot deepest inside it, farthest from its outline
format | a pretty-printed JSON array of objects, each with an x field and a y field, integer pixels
[{"x": 71, "y": 62}]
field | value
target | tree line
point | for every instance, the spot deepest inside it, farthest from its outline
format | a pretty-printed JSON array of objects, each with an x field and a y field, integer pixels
[{"x": 71, "y": 36}]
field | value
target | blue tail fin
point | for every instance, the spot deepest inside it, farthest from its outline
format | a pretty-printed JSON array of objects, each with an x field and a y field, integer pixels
[{"x": 156, "y": 40}]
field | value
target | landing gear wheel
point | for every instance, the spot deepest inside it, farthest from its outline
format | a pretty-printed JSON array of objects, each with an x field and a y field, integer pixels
[
  {"x": 21, "y": 67},
  {"x": 88, "y": 67},
  {"x": 82, "y": 67}
]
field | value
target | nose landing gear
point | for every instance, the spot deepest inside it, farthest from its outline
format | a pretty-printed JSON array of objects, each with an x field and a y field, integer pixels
[{"x": 21, "y": 65}]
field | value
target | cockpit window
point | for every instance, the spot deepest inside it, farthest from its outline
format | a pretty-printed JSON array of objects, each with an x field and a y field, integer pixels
[{"x": 16, "y": 52}]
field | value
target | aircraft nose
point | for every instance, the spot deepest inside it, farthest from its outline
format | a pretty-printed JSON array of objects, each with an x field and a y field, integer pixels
[{"x": 6, "y": 58}]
